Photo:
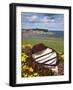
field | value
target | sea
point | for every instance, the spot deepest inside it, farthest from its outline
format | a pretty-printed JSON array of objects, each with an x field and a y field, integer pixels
[
  {"x": 57, "y": 34},
  {"x": 51, "y": 34}
]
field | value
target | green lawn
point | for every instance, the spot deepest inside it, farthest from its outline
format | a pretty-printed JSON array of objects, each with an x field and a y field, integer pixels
[{"x": 58, "y": 46}]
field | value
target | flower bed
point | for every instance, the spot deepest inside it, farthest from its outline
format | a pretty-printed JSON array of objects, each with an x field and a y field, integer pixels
[{"x": 31, "y": 69}]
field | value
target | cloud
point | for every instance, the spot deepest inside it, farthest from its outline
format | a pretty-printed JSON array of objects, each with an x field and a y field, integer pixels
[
  {"x": 47, "y": 21},
  {"x": 44, "y": 19},
  {"x": 33, "y": 18}
]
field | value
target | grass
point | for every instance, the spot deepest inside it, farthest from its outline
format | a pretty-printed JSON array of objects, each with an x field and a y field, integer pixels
[
  {"x": 55, "y": 38},
  {"x": 58, "y": 46}
]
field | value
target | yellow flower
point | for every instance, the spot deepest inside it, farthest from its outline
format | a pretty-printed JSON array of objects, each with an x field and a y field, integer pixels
[
  {"x": 62, "y": 56},
  {"x": 26, "y": 46},
  {"x": 25, "y": 75},
  {"x": 31, "y": 69},
  {"x": 29, "y": 45},
  {"x": 24, "y": 57},
  {"x": 24, "y": 67},
  {"x": 23, "y": 46},
  {"x": 30, "y": 75},
  {"x": 35, "y": 74}
]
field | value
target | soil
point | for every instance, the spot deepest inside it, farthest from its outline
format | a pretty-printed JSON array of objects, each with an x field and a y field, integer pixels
[{"x": 61, "y": 68}]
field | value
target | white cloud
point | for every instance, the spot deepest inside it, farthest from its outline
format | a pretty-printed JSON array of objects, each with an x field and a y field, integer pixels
[
  {"x": 47, "y": 20},
  {"x": 52, "y": 20},
  {"x": 33, "y": 18}
]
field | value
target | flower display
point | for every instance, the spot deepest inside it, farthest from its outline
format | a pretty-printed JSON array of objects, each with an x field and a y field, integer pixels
[
  {"x": 27, "y": 71},
  {"x": 61, "y": 55},
  {"x": 30, "y": 68}
]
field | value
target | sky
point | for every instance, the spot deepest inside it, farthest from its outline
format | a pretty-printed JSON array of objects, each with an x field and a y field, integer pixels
[{"x": 52, "y": 22}]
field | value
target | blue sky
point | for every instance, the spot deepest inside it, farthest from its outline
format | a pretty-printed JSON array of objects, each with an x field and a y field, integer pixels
[{"x": 52, "y": 22}]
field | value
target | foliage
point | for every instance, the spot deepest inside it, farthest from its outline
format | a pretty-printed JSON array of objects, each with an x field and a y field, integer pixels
[{"x": 27, "y": 70}]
